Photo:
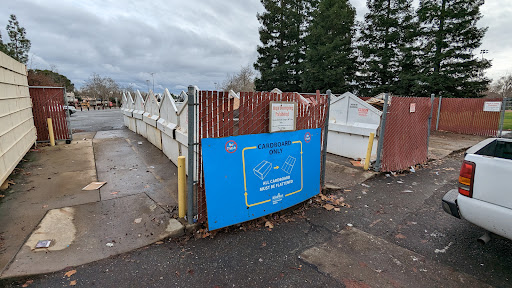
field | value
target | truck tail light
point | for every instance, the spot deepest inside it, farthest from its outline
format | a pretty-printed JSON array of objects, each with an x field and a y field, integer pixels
[{"x": 466, "y": 178}]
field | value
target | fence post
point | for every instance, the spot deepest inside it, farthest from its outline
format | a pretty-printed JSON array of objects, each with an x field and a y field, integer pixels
[
  {"x": 326, "y": 132},
  {"x": 502, "y": 116},
  {"x": 381, "y": 132},
  {"x": 191, "y": 144},
  {"x": 438, "y": 112},
  {"x": 430, "y": 119}
]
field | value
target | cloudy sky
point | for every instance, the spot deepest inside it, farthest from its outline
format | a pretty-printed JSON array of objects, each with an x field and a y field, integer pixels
[{"x": 182, "y": 42}]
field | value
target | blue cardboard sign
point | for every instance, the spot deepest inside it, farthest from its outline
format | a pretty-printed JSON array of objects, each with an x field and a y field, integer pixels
[{"x": 250, "y": 176}]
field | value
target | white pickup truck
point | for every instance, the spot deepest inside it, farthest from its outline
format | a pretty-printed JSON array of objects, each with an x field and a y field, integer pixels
[{"x": 484, "y": 195}]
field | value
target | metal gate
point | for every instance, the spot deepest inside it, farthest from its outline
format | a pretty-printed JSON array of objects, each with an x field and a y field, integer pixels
[
  {"x": 48, "y": 102},
  {"x": 219, "y": 114}
]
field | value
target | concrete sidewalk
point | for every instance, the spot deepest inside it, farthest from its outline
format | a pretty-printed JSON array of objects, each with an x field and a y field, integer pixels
[
  {"x": 340, "y": 173},
  {"x": 134, "y": 209}
]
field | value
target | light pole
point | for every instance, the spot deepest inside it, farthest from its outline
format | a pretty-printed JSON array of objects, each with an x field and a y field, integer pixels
[
  {"x": 482, "y": 52},
  {"x": 152, "y": 77},
  {"x": 147, "y": 82}
]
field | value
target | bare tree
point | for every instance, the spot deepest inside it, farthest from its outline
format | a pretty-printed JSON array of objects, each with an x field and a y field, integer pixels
[
  {"x": 102, "y": 88},
  {"x": 503, "y": 86},
  {"x": 243, "y": 81}
]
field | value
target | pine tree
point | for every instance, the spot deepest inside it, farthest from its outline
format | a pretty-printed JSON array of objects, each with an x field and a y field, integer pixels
[
  {"x": 2, "y": 45},
  {"x": 330, "y": 56},
  {"x": 19, "y": 45},
  {"x": 282, "y": 49},
  {"x": 450, "y": 37},
  {"x": 387, "y": 48}
]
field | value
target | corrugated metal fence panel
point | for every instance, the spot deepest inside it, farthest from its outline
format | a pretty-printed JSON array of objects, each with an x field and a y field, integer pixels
[
  {"x": 48, "y": 103},
  {"x": 17, "y": 131},
  {"x": 466, "y": 116},
  {"x": 405, "y": 137}
]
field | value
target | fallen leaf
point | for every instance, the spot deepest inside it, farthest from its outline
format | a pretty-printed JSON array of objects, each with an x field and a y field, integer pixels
[
  {"x": 263, "y": 244},
  {"x": 2, "y": 196},
  {"x": 400, "y": 236},
  {"x": 114, "y": 193},
  {"x": 45, "y": 206},
  {"x": 72, "y": 283},
  {"x": 27, "y": 283},
  {"x": 190, "y": 271},
  {"x": 346, "y": 190},
  {"x": 147, "y": 186},
  {"x": 138, "y": 220},
  {"x": 269, "y": 225},
  {"x": 159, "y": 242},
  {"x": 70, "y": 273},
  {"x": 328, "y": 207},
  {"x": 177, "y": 273},
  {"x": 337, "y": 209}
]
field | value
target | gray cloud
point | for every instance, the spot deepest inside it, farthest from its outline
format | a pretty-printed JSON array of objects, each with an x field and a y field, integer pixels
[{"x": 183, "y": 42}]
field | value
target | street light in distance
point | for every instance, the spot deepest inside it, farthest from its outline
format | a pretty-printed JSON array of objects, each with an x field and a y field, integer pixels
[
  {"x": 482, "y": 52},
  {"x": 152, "y": 77}
]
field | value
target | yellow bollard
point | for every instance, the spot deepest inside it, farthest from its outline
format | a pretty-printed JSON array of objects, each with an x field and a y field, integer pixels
[
  {"x": 369, "y": 152},
  {"x": 182, "y": 193},
  {"x": 50, "y": 130}
]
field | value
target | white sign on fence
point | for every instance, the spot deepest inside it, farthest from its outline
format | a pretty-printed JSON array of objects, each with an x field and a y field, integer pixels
[
  {"x": 492, "y": 106},
  {"x": 283, "y": 116}
]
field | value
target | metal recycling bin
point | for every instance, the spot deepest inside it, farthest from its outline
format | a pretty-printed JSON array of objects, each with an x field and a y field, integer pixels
[{"x": 351, "y": 120}]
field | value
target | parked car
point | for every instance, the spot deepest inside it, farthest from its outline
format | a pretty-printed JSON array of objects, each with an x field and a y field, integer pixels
[
  {"x": 71, "y": 109},
  {"x": 484, "y": 194}
]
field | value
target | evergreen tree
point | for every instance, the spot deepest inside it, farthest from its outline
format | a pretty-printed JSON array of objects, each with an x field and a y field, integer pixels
[
  {"x": 2, "y": 45},
  {"x": 450, "y": 36},
  {"x": 19, "y": 45},
  {"x": 52, "y": 78},
  {"x": 387, "y": 48},
  {"x": 282, "y": 50},
  {"x": 330, "y": 56}
]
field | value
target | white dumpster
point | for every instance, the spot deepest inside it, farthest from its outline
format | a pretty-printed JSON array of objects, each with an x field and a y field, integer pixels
[{"x": 351, "y": 120}]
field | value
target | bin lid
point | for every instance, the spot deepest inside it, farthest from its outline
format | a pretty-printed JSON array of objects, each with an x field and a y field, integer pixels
[{"x": 349, "y": 109}]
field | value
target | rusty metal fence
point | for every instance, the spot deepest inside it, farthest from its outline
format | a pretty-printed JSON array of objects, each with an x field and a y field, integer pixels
[
  {"x": 221, "y": 114},
  {"x": 48, "y": 102}
]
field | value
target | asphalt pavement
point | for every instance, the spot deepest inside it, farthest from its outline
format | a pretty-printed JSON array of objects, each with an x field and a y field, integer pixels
[
  {"x": 97, "y": 120},
  {"x": 404, "y": 212},
  {"x": 391, "y": 228}
]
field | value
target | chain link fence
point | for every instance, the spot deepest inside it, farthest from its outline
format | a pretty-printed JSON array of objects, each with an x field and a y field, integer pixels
[
  {"x": 223, "y": 114},
  {"x": 405, "y": 137},
  {"x": 406, "y": 124},
  {"x": 466, "y": 116}
]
